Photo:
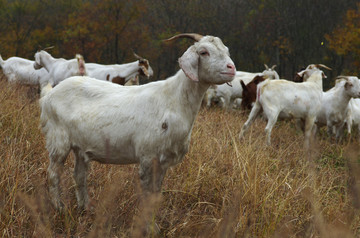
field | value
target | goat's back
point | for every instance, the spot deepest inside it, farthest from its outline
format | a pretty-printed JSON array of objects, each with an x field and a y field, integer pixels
[{"x": 293, "y": 99}]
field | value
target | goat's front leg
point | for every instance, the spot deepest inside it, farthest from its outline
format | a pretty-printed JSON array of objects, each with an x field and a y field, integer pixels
[
  {"x": 310, "y": 130},
  {"x": 255, "y": 111},
  {"x": 151, "y": 175}
]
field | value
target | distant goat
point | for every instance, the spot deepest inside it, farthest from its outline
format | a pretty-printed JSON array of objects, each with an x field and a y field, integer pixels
[
  {"x": 59, "y": 68},
  {"x": 335, "y": 103},
  {"x": 120, "y": 73},
  {"x": 149, "y": 124},
  {"x": 21, "y": 70}
]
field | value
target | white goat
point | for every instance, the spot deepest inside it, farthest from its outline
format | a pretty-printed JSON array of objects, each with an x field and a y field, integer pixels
[
  {"x": 353, "y": 115},
  {"x": 149, "y": 124},
  {"x": 229, "y": 93},
  {"x": 292, "y": 100},
  {"x": 59, "y": 68},
  {"x": 335, "y": 102},
  {"x": 120, "y": 73},
  {"x": 22, "y": 71}
]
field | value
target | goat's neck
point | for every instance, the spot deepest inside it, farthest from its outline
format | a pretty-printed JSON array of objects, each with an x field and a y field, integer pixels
[
  {"x": 129, "y": 69},
  {"x": 342, "y": 98},
  {"x": 188, "y": 93},
  {"x": 47, "y": 61},
  {"x": 318, "y": 83}
]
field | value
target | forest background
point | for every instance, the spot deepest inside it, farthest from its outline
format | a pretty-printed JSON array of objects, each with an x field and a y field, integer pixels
[{"x": 288, "y": 33}]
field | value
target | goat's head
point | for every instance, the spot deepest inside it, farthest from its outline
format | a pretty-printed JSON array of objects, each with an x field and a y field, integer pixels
[
  {"x": 270, "y": 72},
  {"x": 310, "y": 69},
  {"x": 144, "y": 66},
  {"x": 351, "y": 85},
  {"x": 249, "y": 92},
  {"x": 38, "y": 59},
  {"x": 207, "y": 60},
  {"x": 246, "y": 97}
]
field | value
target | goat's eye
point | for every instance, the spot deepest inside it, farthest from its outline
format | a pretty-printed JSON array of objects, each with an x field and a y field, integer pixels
[{"x": 204, "y": 52}]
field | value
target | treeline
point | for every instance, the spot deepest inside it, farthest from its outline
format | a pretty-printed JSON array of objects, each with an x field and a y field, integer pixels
[{"x": 288, "y": 33}]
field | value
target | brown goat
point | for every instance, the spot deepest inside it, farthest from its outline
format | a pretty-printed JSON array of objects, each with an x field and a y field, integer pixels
[{"x": 249, "y": 92}]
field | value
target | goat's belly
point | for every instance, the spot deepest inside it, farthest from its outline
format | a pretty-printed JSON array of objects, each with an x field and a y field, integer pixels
[{"x": 119, "y": 158}]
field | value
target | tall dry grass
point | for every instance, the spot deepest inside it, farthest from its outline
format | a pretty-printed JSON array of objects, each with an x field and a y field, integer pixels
[{"x": 223, "y": 188}]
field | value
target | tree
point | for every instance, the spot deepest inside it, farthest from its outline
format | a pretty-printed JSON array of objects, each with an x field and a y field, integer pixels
[{"x": 345, "y": 41}]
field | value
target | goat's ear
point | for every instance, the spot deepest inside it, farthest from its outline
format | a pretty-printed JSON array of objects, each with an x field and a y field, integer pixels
[
  {"x": 301, "y": 73},
  {"x": 189, "y": 63},
  {"x": 348, "y": 85}
]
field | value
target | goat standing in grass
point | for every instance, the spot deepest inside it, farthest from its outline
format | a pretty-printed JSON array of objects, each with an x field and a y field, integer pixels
[
  {"x": 21, "y": 70},
  {"x": 292, "y": 100},
  {"x": 335, "y": 103},
  {"x": 149, "y": 124}
]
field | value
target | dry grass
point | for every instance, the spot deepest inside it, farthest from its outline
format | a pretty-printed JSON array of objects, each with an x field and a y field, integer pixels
[{"x": 223, "y": 188}]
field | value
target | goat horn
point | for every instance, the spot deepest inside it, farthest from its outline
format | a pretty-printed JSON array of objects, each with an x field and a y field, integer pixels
[
  {"x": 342, "y": 77},
  {"x": 323, "y": 66},
  {"x": 193, "y": 36},
  {"x": 48, "y": 48},
  {"x": 137, "y": 56},
  {"x": 266, "y": 66}
]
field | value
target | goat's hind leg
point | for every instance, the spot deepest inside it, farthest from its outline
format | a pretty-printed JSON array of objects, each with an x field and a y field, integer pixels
[
  {"x": 80, "y": 176},
  {"x": 56, "y": 165},
  {"x": 272, "y": 118}
]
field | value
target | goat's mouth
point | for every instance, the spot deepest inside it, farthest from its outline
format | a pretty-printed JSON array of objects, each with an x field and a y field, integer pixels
[{"x": 230, "y": 74}]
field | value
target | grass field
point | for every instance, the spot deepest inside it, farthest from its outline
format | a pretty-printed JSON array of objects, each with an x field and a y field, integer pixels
[{"x": 223, "y": 188}]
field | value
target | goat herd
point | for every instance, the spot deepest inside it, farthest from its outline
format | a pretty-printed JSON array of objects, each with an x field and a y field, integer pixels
[{"x": 151, "y": 124}]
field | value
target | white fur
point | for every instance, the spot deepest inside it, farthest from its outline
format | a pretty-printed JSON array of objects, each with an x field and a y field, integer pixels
[
  {"x": 229, "y": 93},
  {"x": 149, "y": 124},
  {"x": 59, "y": 68},
  {"x": 353, "y": 115},
  {"x": 126, "y": 71},
  {"x": 292, "y": 100},
  {"x": 21, "y": 70},
  {"x": 335, "y": 104}
]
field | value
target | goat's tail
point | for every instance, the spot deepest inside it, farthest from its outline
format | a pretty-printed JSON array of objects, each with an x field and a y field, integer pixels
[
  {"x": 45, "y": 90},
  {"x": 81, "y": 65}
]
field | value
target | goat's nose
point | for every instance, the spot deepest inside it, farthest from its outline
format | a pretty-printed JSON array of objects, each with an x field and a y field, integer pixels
[{"x": 231, "y": 66}]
